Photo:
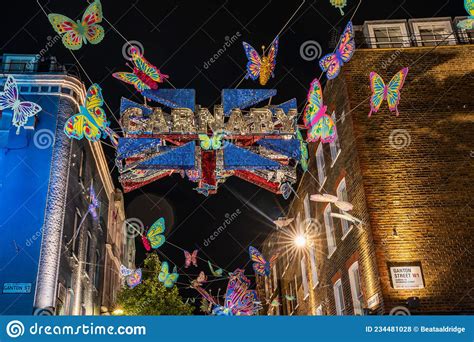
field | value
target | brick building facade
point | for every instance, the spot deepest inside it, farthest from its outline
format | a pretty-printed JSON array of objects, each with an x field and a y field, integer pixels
[{"x": 409, "y": 179}]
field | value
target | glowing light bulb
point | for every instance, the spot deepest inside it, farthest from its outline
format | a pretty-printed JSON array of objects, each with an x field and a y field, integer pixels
[{"x": 300, "y": 240}]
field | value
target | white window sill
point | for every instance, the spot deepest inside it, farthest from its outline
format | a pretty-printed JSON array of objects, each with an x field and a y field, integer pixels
[
  {"x": 321, "y": 185},
  {"x": 306, "y": 296},
  {"x": 315, "y": 285},
  {"x": 331, "y": 254},
  {"x": 335, "y": 159},
  {"x": 347, "y": 233}
]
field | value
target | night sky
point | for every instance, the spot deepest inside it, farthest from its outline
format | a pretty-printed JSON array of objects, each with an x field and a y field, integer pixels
[{"x": 180, "y": 37}]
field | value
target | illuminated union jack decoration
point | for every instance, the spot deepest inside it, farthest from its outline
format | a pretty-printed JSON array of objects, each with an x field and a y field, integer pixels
[{"x": 260, "y": 145}]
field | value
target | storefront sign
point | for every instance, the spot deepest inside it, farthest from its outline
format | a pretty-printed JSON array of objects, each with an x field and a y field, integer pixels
[
  {"x": 373, "y": 301},
  {"x": 406, "y": 276}
]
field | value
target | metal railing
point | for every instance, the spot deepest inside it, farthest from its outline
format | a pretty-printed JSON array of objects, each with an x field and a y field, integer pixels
[{"x": 34, "y": 67}]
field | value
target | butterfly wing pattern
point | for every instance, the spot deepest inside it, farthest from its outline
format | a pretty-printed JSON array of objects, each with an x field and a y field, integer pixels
[
  {"x": 467, "y": 24},
  {"x": 320, "y": 125},
  {"x": 390, "y": 92},
  {"x": 168, "y": 279},
  {"x": 254, "y": 62},
  {"x": 190, "y": 258},
  {"x": 22, "y": 110},
  {"x": 261, "y": 67},
  {"x": 331, "y": 63},
  {"x": 239, "y": 300},
  {"x": 155, "y": 234},
  {"x": 74, "y": 34},
  {"x": 260, "y": 265}
]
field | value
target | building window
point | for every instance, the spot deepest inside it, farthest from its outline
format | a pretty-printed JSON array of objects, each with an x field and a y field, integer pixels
[
  {"x": 320, "y": 164},
  {"x": 307, "y": 210},
  {"x": 388, "y": 35},
  {"x": 275, "y": 279},
  {"x": 432, "y": 33},
  {"x": 289, "y": 303},
  {"x": 334, "y": 146},
  {"x": 465, "y": 36},
  {"x": 75, "y": 233},
  {"x": 305, "y": 278},
  {"x": 356, "y": 291},
  {"x": 314, "y": 267},
  {"x": 97, "y": 269},
  {"x": 319, "y": 310},
  {"x": 330, "y": 234},
  {"x": 88, "y": 252},
  {"x": 296, "y": 291},
  {"x": 339, "y": 298},
  {"x": 342, "y": 195},
  {"x": 18, "y": 63}
]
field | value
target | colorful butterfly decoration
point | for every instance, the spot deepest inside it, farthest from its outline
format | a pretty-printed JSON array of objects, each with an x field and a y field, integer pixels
[
  {"x": 168, "y": 279},
  {"x": 215, "y": 273},
  {"x": 261, "y": 67},
  {"x": 275, "y": 302},
  {"x": 331, "y": 64},
  {"x": 340, "y": 4},
  {"x": 286, "y": 189},
  {"x": 303, "y": 151},
  {"x": 239, "y": 300},
  {"x": 391, "y": 92},
  {"x": 327, "y": 198},
  {"x": 132, "y": 277},
  {"x": 190, "y": 258},
  {"x": 290, "y": 298},
  {"x": 319, "y": 124},
  {"x": 213, "y": 142},
  {"x": 94, "y": 203},
  {"x": 467, "y": 24},
  {"x": 260, "y": 265},
  {"x": 22, "y": 110},
  {"x": 76, "y": 33},
  {"x": 91, "y": 121},
  {"x": 144, "y": 76},
  {"x": 201, "y": 279},
  {"x": 154, "y": 237},
  {"x": 205, "y": 188}
]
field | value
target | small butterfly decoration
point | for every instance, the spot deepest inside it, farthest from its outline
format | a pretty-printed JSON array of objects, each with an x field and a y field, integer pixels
[
  {"x": 132, "y": 277},
  {"x": 303, "y": 150},
  {"x": 391, "y": 92},
  {"x": 467, "y": 24},
  {"x": 190, "y": 300},
  {"x": 91, "y": 121},
  {"x": 201, "y": 279},
  {"x": 261, "y": 67},
  {"x": 144, "y": 76},
  {"x": 275, "y": 302},
  {"x": 205, "y": 189},
  {"x": 213, "y": 142},
  {"x": 168, "y": 279},
  {"x": 326, "y": 198},
  {"x": 94, "y": 203},
  {"x": 282, "y": 222},
  {"x": 22, "y": 110},
  {"x": 260, "y": 265},
  {"x": 331, "y": 64},
  {"x": 76, "y": 33},
  {"x": 320, "y": 125},
  {"x": 190, "y": 258},
  {"x": 290, "y": 298},
  {"x": 286, "y": 189},
  {"x": 215, "y": 273},
  {"x": 340, "y": 4},
  {"x": 154, "y": 237}
]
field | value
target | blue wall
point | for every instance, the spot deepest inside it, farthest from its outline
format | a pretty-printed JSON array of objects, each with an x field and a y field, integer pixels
[{"x": 24, "y": 178}]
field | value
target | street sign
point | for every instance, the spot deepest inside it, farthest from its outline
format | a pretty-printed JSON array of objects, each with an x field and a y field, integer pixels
[{"x": 16, "y": 287}]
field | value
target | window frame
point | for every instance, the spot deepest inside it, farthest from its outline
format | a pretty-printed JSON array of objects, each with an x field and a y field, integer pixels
[
  {"x": 339, "y": 297},
  {"x": 330, "y": 231},
  {"x": 304, "y": 278},
  {"x": 357, "y": 298},
  {"x": 344, "y": 223},
  {"x": 321, "y": 166},
  {"x": 373, "y": 40},
  {"x": 335, "y": 146},
  {"x": 443, "y": 23},
  {"x": 314, "y": 266}
]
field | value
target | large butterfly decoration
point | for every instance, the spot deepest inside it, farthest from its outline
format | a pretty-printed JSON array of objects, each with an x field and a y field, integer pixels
[
  {"x": 319, "y": 124},
  {"x": 76, "y": 33},
  {"x": 239, "y": 300},
  {"x": 215, "y": 273},
  {"x": 260, "y": 265},
  {"x": 132, "y": 277},
  {"x": 327, "y": 198},
  {"x": 303, "y": 150},
  {"x": 144, "y": 76},
  {"x": 91, "y": 121},
  {"x": 168, "y": 279},
  {"x": 154, "y": 237},
  {"x": 22, "y": 110},
  {"x": 391, "y": 92},
  {"x": 190, "y": 258},
  {"x": 467, "y": 24},
  {"x": 261, "y": 67},
  {"x": 331, "y": 64},
  {"x": 94, "y": 203}
]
